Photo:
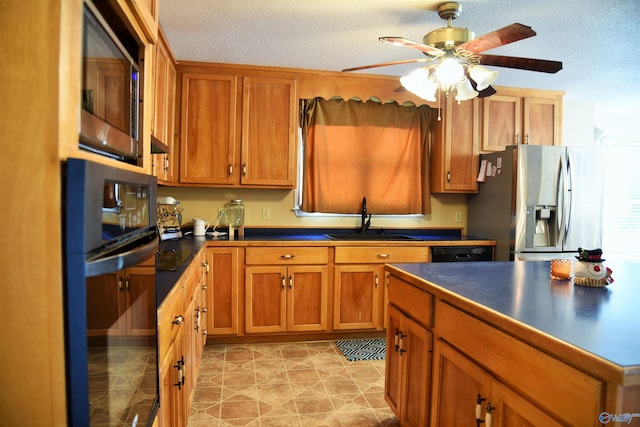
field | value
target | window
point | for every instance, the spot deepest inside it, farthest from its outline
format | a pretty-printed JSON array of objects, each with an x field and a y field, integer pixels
[
  {"x": 353, "y": 149},
  {"x": 621, "y": 229}
]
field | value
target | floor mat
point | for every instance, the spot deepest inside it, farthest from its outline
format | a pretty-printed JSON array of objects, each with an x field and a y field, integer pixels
[{"x": 371, "y": 349}]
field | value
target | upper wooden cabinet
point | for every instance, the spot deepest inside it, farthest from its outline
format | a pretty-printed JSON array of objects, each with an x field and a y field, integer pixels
[
  {"x": 521, "y": 116},
  {"x": 164, "y": 102},
  {"x": 238, "y": 128},
  {"x": 146, "y": 13},
  {"x": 454, "y": 147}
]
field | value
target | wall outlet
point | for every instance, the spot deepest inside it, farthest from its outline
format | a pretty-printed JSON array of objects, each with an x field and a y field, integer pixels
[
  {"x": 458, "y": 217},
  {"x": 266, "y": 214}
]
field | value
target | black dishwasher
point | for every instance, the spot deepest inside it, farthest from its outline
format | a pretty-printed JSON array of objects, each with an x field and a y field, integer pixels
[{"x": 461, "y": 253}]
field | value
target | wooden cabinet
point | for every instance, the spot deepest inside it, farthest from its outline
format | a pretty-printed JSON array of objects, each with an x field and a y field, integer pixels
[
  {"x": 454, "y": 147},
  {"x": 503, "y": 359},
  {"x": 521, "y": 116},
  {"x": 146, "y": 12},
  {"x": 222, "y": 291},
  {"x": 180, "y": 341},
  {"x": 164, "y": 111},
  {"x": 358, "y": 296},
  {"x": 286, "y": 289},
  {"x": 238, "y": 129},
  {"x": 359, "y": 283},
  {"x": 464, "y": 391},
  {"x": 122, "y": 303},
  {"x": 408, "y": 368}
]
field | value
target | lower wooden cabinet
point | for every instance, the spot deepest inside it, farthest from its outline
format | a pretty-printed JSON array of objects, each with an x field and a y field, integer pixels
[
  {"x": 408, "y": 369},
  {"x": 285, "y": 299},
  {"x": 463, "y": 391},
  {"x": 222, "y": 291},
  {"x": 286, "y": 289},
  {"x": 358, "y": 296},
  {"x": 180, "y": 341},
  {"x": 360, "y": 283}
]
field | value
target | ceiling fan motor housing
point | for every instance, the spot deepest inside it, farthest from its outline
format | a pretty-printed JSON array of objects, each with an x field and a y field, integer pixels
[{"x": 448, "y": 37}]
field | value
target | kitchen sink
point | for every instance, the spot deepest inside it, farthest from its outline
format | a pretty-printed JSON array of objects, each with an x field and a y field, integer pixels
[{"x": 360, "y": 236}]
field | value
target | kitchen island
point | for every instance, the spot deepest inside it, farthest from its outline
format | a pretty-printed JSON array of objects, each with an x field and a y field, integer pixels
[{"x": 503, "y": 336}]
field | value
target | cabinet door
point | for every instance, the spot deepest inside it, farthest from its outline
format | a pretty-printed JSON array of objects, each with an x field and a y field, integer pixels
[
  {"x": 408, "y": 365},
  {"x": 222, "y": 291},
  {"x": 501, "y": 122},
  {"x": 269, "y": 121},
  {"x": 393, "y": 365},
  {"x": 541, "y": 121},
  {"x": 164, "y": 110},
  {"x": 454, "y": 150},
  {"x": 265, "y": 299},
  {"x": 417, "y": 343},
  {"x": 357, "y": 296},
  {"x": 140, "y": 298},
  {"x": 208, "y": 129},
  {"x": 307, "y": 298},
  {"x": 511, "y": 410},
  {"x": 105, "y": 304},
  {"x": 456, "y": 386}
]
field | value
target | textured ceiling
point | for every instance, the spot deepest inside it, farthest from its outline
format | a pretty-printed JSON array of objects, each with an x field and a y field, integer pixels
[{"x": 596, "y": 41}]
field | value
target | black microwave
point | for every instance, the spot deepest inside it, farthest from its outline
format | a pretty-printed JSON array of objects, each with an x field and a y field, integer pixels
[{"x": 111, "y": 78}]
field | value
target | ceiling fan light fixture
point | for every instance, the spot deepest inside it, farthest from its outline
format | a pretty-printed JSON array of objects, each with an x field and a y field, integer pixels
[
  {"x": 449, "y": 72},
  {"x": 419, "y": 83},
  {"x": 465, "y": 91},
  {"x": 482, "y": 76}
]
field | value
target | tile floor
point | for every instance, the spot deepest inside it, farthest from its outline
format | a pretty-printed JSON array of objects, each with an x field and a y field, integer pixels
[{"x": 288, "y": 384}]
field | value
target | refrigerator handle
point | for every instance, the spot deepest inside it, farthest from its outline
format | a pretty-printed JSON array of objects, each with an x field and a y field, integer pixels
[{"x": 567, "y": 203}]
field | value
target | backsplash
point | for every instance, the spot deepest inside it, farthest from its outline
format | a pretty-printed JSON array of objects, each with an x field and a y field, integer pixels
[{"x": 206, "y": 202}]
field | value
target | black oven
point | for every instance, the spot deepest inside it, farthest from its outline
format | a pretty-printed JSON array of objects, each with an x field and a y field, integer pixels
[{"x": 110, "y": 250}]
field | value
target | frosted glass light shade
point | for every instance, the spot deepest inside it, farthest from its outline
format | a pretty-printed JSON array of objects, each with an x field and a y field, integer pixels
[
  {"x": 449, "y": 72},
  {"x": 465, "y": 91},
  {"x": 482, "y": 76},
  {"x": 418, "y": 82}
]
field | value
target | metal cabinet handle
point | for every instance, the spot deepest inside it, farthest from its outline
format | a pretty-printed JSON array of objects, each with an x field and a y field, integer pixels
[
  {"x": 287, "y": 256},
  {"x": 120, "y": 284},
  {"x": 448, "y": 176},
  {"x": 376, "y": 281},
  {"x": 384, "y": 255},
  {"x": 178, "y": 320},
  {"x": 290, "y": 282},
  {"x": 283, "y": 283},
  {"x": 244, "y": 169}
]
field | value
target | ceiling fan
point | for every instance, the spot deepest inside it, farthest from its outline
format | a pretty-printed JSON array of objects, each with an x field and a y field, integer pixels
[{"x": 455, "y": 58}]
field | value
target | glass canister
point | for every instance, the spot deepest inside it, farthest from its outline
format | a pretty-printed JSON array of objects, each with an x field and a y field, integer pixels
[{"x": 234, "y": 217}]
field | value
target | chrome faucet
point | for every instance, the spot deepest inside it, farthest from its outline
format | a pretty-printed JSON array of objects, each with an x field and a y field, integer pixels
[{"x": 366, "y": 221}]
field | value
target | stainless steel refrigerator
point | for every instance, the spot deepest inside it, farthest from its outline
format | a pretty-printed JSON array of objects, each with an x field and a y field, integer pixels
[{"x": 539, "y": 202}]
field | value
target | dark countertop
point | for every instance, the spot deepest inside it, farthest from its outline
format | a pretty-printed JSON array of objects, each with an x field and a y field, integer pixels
[
  {"x": 602, "y": 321},
  {"x": 185, "y": 249}
]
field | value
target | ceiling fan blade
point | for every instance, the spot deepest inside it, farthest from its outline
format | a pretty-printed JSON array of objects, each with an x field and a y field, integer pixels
[
  {"x": 386, "y": 64},
  {"x": 509, "y": 34},
  {"x": 541, "y": 65},
  {"x": 424, "y": 48},
  {"x": 485, "y": 93}
]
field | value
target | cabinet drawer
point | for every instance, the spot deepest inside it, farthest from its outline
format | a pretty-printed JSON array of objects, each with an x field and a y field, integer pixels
[
  {"x": 413, "y": 301},
  {"x": 172, "y": 307},
  {"x": 531, "y": 372},
  {"x": 381, "y": 254},
  {"x": 286, "y": 256}
]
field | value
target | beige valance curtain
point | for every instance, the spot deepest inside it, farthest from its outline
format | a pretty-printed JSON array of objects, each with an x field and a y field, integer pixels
[{"x": 359, "y": 149}]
